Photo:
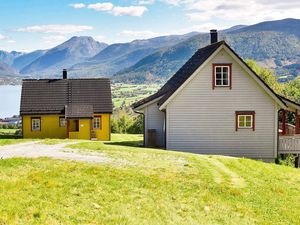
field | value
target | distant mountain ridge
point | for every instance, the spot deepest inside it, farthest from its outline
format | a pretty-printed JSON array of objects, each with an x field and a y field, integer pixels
[
  {"x": 9, "y": 57},
  {"x": 75, "y": 50},
  {"x": 275, "y": 44},
  {"x": 278, "y": 50},
  {"x": 118, "y": 56}
]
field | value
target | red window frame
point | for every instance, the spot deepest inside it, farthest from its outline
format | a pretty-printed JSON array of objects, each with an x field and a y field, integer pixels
[
  {"x": 244, "y": 113},
  {"x": 214, "y": 65}
]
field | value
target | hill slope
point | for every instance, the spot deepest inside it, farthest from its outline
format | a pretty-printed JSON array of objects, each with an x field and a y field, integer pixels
[
  {"x": 27, "y": 58},
  {"x": 6, "y": 70},
  {"x": 74, "y": 50},
  {"x": 277, "y": 49},
  {"x": 147, "y": 186},
  {"x": 119, "y": 56},
  {"x": 9, "y": 57}
]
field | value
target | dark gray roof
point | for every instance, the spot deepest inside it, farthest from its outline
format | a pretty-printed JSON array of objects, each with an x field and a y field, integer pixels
[
  {"x": 50, "y": 96},
  {"x": 79, "y": 111},
  {"x": 187, "y": 70},
  {"x": 181, "y": 75}
]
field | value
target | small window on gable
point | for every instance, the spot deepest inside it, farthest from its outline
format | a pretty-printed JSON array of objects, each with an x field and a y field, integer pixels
[
  {"x": 245, "y": 120},
  {"x": 222, "y": 75},
  {"x": 36, "y": 124}
]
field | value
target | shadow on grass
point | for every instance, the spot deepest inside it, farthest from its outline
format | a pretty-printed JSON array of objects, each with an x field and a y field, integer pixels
[
  {"x": 9, "y": 136},
  {"x": 126, "y": 143}
]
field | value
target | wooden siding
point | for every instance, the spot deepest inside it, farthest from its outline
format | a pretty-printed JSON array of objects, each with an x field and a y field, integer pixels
[
  {"x": 202, "y": 120},
  {"x": 155, "y": 119}
]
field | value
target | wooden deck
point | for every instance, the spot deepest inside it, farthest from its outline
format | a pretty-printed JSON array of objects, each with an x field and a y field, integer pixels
[{"x": 289, "y": 144}]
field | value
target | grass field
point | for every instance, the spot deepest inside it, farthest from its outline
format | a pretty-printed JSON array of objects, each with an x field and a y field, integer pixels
[
  {"x": 147, "y": 186},
  {"x": 126, "y": 94},
  {"x": 7, "y": 136}
]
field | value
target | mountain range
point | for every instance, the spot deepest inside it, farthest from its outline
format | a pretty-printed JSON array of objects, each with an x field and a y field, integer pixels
[{"x": 274, "y": 44}]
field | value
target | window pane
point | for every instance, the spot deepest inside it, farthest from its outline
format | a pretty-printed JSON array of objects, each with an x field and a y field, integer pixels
[
  {"x": 218, "y": 69},
  {"x": 225, "y": 76},
  {"x": 35, "y": 124},
  {"x": 218, "y": 76},
  {"x": 218, "y": 82},
  {"x": 225, "y": 69},
  {"x": 62, "y": 122},
  {"x": 225, "y": 82},
  {"x": 97, "y": 123},
  {"x": 248, "y": 118},
  {"x": 248, "y": 124},
  {"x": 241, "y": 121}
]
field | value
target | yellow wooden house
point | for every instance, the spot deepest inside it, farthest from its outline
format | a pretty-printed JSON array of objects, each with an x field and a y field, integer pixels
[{"x": 66, "y": 108}]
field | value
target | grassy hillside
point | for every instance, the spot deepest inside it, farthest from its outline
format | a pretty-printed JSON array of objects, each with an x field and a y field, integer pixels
[
  {"x": 127, "y": 94},
  {"x": 147, "y": 186}
]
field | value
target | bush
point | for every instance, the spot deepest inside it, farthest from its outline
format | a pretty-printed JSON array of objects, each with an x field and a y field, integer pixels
[{"x": 286, "y": 160}]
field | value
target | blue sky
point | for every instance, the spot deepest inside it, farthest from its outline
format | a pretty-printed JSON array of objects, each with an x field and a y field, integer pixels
[{"x": 40, "y": 24}]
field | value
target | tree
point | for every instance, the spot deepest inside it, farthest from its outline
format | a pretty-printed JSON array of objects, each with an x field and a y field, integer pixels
[
  {"x": 292, "y": 90},
  {"x": 266, "y": 75}
]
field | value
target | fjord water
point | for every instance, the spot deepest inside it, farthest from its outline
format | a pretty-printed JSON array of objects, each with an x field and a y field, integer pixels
[{"x": 9, "y": 100}]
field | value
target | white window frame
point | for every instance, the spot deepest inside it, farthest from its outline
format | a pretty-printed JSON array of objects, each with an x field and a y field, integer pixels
[
  {"x": 64, "y": 122},
  {"x": 35, "y": 124},
  {"x": 97, "y": 122},
  {"x": 222, "y": 76},
  {"x": 245, "y": 121}
]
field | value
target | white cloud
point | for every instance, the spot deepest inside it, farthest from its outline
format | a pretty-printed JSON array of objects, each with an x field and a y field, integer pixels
[
  {"x": 146, "y": 2},
  {"x": 99, "y": 38},
  {"x": 6, "y": 39},
  {"x": 2, "y": 37},
  {"x": 54, "y": 39},
  {"x": 251, "y": 11},
  {"x": 55, "y": 28},
  {"x": 11, "y": 41},
  {"x": 138, "y": 34},
  {"x": 129, "y": 11},
  {"x": 105, "y": 6},
  {"x": 120, "y": 10},
  {"x": 78, "y": 5}
]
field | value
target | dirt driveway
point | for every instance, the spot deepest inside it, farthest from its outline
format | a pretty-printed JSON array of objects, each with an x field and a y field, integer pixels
[{"x": 58, "y": 151}]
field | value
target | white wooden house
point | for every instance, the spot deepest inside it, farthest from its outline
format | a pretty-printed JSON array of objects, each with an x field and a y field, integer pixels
[{"x": 215, "y": 104}]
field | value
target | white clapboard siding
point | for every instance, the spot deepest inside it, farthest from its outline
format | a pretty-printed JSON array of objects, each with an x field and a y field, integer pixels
[
  {"x": 202, "y": 120},
  {"x": 155, "y": 119}
]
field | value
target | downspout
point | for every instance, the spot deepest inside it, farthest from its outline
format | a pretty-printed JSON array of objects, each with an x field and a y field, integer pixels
[{"x": 144, "y": 143}]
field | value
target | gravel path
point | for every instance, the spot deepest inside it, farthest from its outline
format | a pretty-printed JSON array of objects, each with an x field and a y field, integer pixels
[{"x": 58, "y": 151}]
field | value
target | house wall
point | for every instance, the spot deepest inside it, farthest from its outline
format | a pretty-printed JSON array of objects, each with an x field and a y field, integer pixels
[
  {"x": 49, "y": 127},
  {"x": 202, "y": 120},
  {"x": 154, "y": 119},
  {"x": 103, "y": 133}
]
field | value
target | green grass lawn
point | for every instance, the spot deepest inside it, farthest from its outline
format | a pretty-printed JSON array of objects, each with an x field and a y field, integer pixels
[
  {"x": 147, "y": 186},
  {"x": 7, "y": 137}
]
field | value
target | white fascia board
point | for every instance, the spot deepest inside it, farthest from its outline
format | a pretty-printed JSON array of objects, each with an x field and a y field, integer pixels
[{"x": 141, "y": 107}]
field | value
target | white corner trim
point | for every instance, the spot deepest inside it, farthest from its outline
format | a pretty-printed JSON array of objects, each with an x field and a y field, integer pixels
[{"x": 163, "y": 106}]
